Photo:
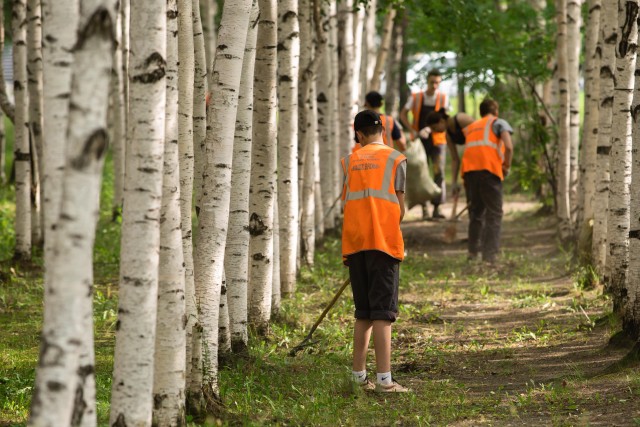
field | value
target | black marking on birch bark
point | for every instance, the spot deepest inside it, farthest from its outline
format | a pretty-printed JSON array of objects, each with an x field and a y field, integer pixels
[
  {"x": 281, "y": 47},
  {"x": 50, "y": 39},
  {"x": 156, "y": 62},
  {"x": 99, "y": 25},
  {"x": 603, "y": 150},
  {"x": 79, "y": 406},
  {"x": 172, "y": 14},
  {"x": 258, "y": 257},
  {"x": 50, "y": 354},
  {"x": 634, "y": 234},
  {"x": 120, "y": 421},
  {"x": 19, "y": 156},
  {"x": 55, "y": 386},
  {"x": 607, "y": 102},
  {"x": 222, "y": 47},
  {"x": 322, "y": 98},
  {"x": 630, "y": 17},
  {"x": 158, "y": 399},
  {"x": 256, "y": 225},
  {"x": 290, "y": 14},
  {"x": 93, "y": 151},
  {"x": 605, "y": 72},
  {"x": 611, "y": 39}
]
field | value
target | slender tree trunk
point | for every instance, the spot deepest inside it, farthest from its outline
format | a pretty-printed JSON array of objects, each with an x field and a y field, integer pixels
[
  {"x": 358, "y": 25},
  {"x": 404, "y": 61},
  {"x": 191, "y": 132},
  {"x": 383, "y": 51},
  {"x": 35, "y": 88},
  {"x": 334, "y": 113},
  {"x": 592, "y": 96},
  {"x": 170, "y": 341},
  {"x": 563, "y": 199},
  {"x": 345, "y": 47},
  {"x": 609, "y": 40},
  {"x": 8, "y": 108},
  {"x": 131, "y": 402},
  {"x": 574, "y": 47},
  {"x": 209, "y": 11},
  {"x": 369, "y": 54},
  {"x": 276, "y": 289},
  {"x": 237, "y": 250},
  {"x": 288, "y": 71},
  {"x": 118, "y": 106},
  {"x": 22, "y": 152},
  {"x": 224, "y": 334},
  {"x": 618, "y": 219},
  {"x": 391, "y": 99},
  {"x": 325, "y": 135},
  {"x": 214, "y": 211},
  {"x": 263, "y": 172},
  {"x": 60, "y": 393},
  {"x": 317, "y": 188}
]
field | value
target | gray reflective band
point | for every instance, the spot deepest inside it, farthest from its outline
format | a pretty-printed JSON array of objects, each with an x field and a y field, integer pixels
[
  {"x": 486, "y": 142},
  {"x": 381, "y": 193}
]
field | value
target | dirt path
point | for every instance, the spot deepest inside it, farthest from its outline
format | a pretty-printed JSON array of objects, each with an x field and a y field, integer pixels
[{"x": 519, "y": 338}]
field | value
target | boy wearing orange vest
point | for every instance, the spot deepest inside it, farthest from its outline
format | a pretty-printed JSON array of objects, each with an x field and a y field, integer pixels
[
  {"x": 435, "y": 143},
  {"x": 485, "y": 162},
  {"x": 372, "y": 245}
]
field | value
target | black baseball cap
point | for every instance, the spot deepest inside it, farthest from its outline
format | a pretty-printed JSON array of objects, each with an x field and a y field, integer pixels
[{"x": 365, "y": 119}]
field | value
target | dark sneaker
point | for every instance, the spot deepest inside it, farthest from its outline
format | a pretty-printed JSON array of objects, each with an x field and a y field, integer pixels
[
  {"x": 437, "y": 214},
  {"x": 394, "y": 387},
  {"x": 367, "y": 385}
]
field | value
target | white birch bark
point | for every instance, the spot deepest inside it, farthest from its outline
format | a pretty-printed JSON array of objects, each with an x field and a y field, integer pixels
[
  {"x": 131, "y": 402},
  {"x": 592, "y": 97},
  {"x": 564, "y": 137},
  {"x": 119, "y": 130},
  {"x": 574, "y": 47},
  {"x": 334, "y": 111},
  {"x": 187, "y": 186},
  {"x": 214, "y": 212},
  {"x": 22, "y": 152},
  {"x": 125, "y": 16},
  {"x": 288, "y": 72},
  {"x": 359, "y": 17},
  {"x": 392, "y": 96},
  {"x": 35, "y": 88},
  {"x": 370, "y": 52},
  {"x": 209, "y": 11},
  {"x": 63, "y": 376},
  {"x": 618, "y": 219},
  {"x": 317, "y": 188},
  {"x": 170, "y": 338},
  {"x": 326, "y": 134},
  {"x": 224, "y": 334},
  {"x": 383, "y": 51},
  {"x": 263, "y": 173},
  {"x": 236, "y": 257},
  {"x": 631, "y": 313},
  {"x": 345, "y": 40},
  {"x": 276, "y": 289},
  {"x": 608, "y": 37}
]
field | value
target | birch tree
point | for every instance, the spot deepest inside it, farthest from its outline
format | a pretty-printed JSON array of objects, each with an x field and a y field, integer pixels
[
  {"x": 209, "y": 11},
  {"x": 591, "y": 112},
  {"x": 369, "y": 51},
  {"x": 608, "y": 37},
  {"x": 359, "y": 16},
  {"x": 334, "y": 68},
  {"x": 345, "y": 47},
  {"x": 383, "y": 51},
  {"x": 237, "y": 248},
  {"x": 263, "y": 172},
  {"x": 325, "y": 135},
  {"x": 118, "y": 108},
  {"x": 288, "y": 66},
  {"x": 276, "y": 289},
  {"x": 214, "y": 211},
  {"x": 392, "y": 97},
  {"x": 574, "y": 47},
  {"x": 563, "y": 174},
  {"x": 22, "y": 152},
  {"x": 35, "y": 88},
  {"x": 618, "y": 219},
  {"x": 59, "y": 397},
  {"x": 170, "y": 339},
  {"x": 131, "y": 402}
]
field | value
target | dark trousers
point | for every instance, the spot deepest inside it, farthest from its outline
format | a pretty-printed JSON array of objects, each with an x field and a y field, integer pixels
[
  {"x": 484, "y": 195},
  {"x": 437, "y": 156}
]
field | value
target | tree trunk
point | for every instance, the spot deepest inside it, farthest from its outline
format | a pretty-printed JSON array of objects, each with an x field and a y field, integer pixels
[
  {"x": 591, "y": 112},
  {"x": 345, "y": 48},
  {"x": 170, "y": 341},
  {"x": 317, "y": 188},
  {"x": 263, "y": 172},
  {"x": 358, "y": 26},
  {"x": 22, "y": 152},
  {"x": 608, "y": 38},
  {"x": 563, "y": 201},
  {"x": 288, "y": 67},
  {"x": 618, "y": 219},
  {"x": 383, "y": 51},
  {"x": 276, "y": 289},
  {"x": 209, "y": 10},
  {"x": 5, "y": 103},
  {"x": 334, "y": 113},
  {"x": 192, "y": 80},
  {"x": 60, "y": 393},
  {"x": 200, "y": 107},
  {"x": 236, "y": 258},
  {"x": 392, "y": 96},
  {"x": 224, "y": 334},
  {"x": 574, "y": 47},
  {"x": 118, "y": 108},
  {"x": 370, "y": 50},
  {"x": 35, "y": 88},
  {"x": 131, "y": 402},
  {"x": 325, "y": 135},
  {"x": 214, "y": 211}
]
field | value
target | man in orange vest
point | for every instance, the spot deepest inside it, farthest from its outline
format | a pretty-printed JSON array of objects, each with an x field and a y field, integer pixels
[
  {"x": 392, "y": 133},
  {"x": 485, "y": 162},
  {"x": 372, "y": 245},
  {"x": 435, "y": 143}
]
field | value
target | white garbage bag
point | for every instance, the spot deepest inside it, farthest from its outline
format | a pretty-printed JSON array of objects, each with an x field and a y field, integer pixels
[{"x": 420, "y": 187}]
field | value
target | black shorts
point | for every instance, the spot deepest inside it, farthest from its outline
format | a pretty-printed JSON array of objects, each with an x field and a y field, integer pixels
[{"x": 375, "y": 277}]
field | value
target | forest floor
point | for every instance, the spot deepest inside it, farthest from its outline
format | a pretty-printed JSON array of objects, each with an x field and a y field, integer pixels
[{"x": 521, "y": 343}]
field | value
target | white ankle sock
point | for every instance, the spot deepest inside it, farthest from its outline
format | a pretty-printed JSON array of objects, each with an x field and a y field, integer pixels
[
  {"x": 359, "y": 376},
  {"x": 384, "y": 378}
]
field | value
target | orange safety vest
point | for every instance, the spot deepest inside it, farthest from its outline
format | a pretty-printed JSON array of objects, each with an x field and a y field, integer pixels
[
  {"x": 438, "y": 138},
  {"x": 386, "y": 134},
  {"x": 371, "y": 209},
  {"x": 483, "y": 149}
]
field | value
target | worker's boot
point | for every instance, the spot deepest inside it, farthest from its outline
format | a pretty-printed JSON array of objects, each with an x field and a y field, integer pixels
[{"x": 436, "y": 213}]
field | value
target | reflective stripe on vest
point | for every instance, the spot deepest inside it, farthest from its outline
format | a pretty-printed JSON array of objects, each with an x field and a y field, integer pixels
[{"x": 383, "y": 192}]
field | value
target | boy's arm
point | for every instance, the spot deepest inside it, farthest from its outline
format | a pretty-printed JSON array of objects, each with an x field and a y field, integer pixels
[
  {"x": 508, "y": 152},
  {"x": 400, "y": 195},
  {"x": 455, "y": 164}
]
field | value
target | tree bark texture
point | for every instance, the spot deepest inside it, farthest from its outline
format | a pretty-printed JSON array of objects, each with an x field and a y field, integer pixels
[
  {"x": 609, "y": 40},
  {"x": 119, "y": 116},
  {"x": 334, "y": 117},
  {"x": 288, "y": 72},
  {"x": 345, "y": 47},
  {"x": 213, "y": 219},
  {"x": 170, "y": 341},
  {"x": 359, "y": 17},
  {"x": 317, "y": 188},
  {"x": 618, "y": 219},
  {"x": 574, "y": 47},
  {"x": 209, "y": 11},
  {"x": 8, "y": 108},
  {"x": 325, "y": 136},
  {"x": 22, "y": 153},
  {"x": 383, "y": 51},
  {"x": 63, "y": 377},
  {"x": 263, "y": 172},
  {"x": 276, "y": 289},
  {"x": 236, "y": 257},
  {"x": 131, "y": 402}
]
